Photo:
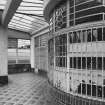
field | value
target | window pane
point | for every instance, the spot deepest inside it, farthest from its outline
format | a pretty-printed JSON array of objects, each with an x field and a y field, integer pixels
[
  {"x": 74, "y": 61},
  {"x": 83, "y": 63},
  {"x": 93, "y": 18},
  {"x": 99, "y": 62},
  {"x": 93, "y": 63},
  {"x": 70, "y": 37},
  {"x": 94, "y": 34},
  {"x": 79, "y": 1},
  {"x": 89, "y": 12},
  {"x": 74, "y": 37},
  {"x": 99, "y": 34},
  {"x": 104, "y": 34},
  {"x": 79, "y": 62},
  {"x": 84, "y": 36},
  {"x": 89, "y": 36},
  {"x": 87, "y": 5},
  {"x": 89, "y": 63},
  {"x": 70, "y": 62},
  {"x": 71, "y": 23},
  {"x": 71, "y": 3},
  {"x": 78, "y": 36}
]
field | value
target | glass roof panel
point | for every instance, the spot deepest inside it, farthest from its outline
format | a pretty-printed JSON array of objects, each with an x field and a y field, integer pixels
[
  {"x": 18, "y": 25},
  {"x": 29, "y": 16},
  {"x": 18, "y": 28}
]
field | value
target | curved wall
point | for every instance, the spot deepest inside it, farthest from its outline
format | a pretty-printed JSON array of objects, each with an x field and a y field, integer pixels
[
  {"x": 48, "y": 7},
  {"x": 76, "y": 53}
]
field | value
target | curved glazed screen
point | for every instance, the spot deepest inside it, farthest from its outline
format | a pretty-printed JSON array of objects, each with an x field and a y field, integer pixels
[
  {"x": 80, "y": 11},
  {"x": 78, "y": 49}
]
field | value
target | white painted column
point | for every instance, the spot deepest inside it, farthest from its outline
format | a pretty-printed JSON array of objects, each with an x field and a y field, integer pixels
[
  {"x": 3, "y": 55},
  {"x": 17, "y": 52},
  {"x": 32, "y": 56},
  {"x": 32, "y": 53}
]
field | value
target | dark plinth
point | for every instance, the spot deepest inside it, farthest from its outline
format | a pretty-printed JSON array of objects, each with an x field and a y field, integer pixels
[
  {"x": 62, "y": 98},
  {"x": 3, "y": 80}
]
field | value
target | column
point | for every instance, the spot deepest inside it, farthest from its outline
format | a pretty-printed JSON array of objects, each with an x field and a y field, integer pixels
[
  {"x": 32, "y": 57},
  {"x": 16, "y": 51},
  {"x": 3, "y": 56}
]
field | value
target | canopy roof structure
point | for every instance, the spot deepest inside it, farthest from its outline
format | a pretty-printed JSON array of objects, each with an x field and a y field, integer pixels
[{"x": 28, "y": 16}]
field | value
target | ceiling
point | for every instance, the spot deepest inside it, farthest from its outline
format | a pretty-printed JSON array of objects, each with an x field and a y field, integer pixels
[{"x": 28, "y": 17}]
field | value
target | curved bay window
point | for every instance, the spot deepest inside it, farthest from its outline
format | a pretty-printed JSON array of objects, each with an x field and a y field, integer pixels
[
  {"x": 78, "y": 57},
  {"x": 88, "y": 64},
  {"x": 61, "y": 50}
]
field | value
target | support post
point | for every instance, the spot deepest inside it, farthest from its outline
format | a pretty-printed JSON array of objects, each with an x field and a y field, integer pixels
[
  {"x": 3, "y": 56},
  {"x": 32, "y": 57}
]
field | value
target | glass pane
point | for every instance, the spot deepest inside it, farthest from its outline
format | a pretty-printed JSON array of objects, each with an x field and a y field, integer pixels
[
  {"x": 83, "y": 63},
  {"x": 99, "y": 34},
  {"x": 94, "y": 34},
  {"x": 89, "y": 35}
]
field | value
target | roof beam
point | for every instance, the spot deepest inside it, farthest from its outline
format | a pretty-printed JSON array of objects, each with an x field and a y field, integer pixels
[
  {"x": 33, "y": 2},
  {"x": 11, "y": 7},
  {"x": 29, "y": 14},
  {"x": 18, "y": 34}
]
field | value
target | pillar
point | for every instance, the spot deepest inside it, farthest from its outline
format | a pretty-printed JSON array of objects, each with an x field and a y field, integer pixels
[
  {"x": 32, "y": 57},
  {"x": 3, "y": 56},
  {"x": 16, "y": 51}
]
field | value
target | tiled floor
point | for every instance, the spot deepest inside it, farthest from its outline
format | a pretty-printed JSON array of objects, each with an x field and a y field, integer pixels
[{"x": 25, "y": 89}]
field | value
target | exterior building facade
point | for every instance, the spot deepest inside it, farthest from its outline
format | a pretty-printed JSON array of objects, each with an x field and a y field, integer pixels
[{"x": 76, "y": 53}]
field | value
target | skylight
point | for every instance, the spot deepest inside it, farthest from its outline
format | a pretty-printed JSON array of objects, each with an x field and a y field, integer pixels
[{"x": 28, "y": 17}]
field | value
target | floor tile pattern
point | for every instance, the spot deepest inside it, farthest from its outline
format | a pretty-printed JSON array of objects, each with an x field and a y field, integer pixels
[{"x": 25, "y": 89}]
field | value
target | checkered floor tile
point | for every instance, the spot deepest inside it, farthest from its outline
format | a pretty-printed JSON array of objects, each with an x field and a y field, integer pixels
[{"x": 25, "y": 89}]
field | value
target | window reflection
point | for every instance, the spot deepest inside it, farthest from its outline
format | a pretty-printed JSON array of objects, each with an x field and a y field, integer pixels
[
  {"x": 94, "y": 35},
  {"x": 99, "y": 34},
  {"x": 89, "y": 35},
  {"x": 84, "y": 36}
]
